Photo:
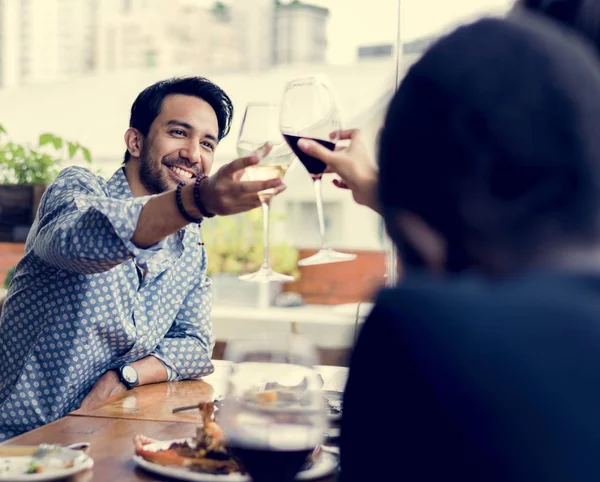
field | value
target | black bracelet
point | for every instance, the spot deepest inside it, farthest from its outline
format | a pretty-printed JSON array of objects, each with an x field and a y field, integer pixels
[
  {"x": 197, "y": 200},
  {"x": 182, "y": 210}
]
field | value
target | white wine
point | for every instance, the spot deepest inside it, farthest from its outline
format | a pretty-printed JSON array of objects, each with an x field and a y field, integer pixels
[
  {"x": 273, "y": 166},
  {"x": 264, "y": 173}
]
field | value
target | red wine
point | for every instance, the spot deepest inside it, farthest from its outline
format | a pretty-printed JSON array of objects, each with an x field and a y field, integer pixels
[
  {"x": 266, "y": 465},
  {"x": 312, "y": 165}
]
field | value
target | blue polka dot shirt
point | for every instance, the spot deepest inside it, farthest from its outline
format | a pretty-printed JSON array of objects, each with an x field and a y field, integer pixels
[{"x": 85, "y": 300}]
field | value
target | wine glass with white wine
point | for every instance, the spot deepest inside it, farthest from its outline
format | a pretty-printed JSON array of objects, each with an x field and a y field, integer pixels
[{"x": 261, "y": 125}]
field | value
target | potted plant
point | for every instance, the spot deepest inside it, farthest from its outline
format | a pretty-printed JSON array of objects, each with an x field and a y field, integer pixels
[
  {"x": 25, "y": 171},
  {"x": 234, "y": 246}
]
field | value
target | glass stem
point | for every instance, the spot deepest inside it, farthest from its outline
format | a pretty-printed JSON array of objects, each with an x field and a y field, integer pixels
[
  {"x": 266, "y": 215},
  {"x": 318, "y": 194}
]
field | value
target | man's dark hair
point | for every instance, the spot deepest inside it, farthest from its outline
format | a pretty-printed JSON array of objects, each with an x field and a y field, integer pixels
[
  {"x": 581, "y": 15},
  {"x": 148, "y": 103},
  {"x": 494, "y": 137}
]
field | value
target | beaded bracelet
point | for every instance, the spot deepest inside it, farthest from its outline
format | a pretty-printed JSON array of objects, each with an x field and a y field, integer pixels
[
  {"x": 182, "y": 210},
  {"x": 198, "y": 200}
]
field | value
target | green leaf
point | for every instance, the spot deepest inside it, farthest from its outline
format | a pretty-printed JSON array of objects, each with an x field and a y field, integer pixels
[
  {"x": 86, "y": 154},
  {"x": 57, "y": 142},
  {"x": 2, "y": 129},
  {"x": 46, "y": 138},
  {"x": 73, "y": 148},
  {"x": 20, "y": 164}
]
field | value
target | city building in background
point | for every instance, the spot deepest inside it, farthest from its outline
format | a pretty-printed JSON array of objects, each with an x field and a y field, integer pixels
[
  {"x": 300, "y": 33},
  {"x": 45, "y": 40},
  {"x": 146, "y": 34}
]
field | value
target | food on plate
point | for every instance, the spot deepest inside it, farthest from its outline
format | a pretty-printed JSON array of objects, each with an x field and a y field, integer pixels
[
  {"x": 266, "y": 398},
  {"x": 35, "y": 460},
  {"x": 207, "y": 452}
]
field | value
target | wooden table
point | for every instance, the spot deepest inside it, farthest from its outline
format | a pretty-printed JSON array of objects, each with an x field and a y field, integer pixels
[
  {"x": 111, "y": 442},
  {"x": 110, "y": 429},
  {"x": 156, "y": 402}
]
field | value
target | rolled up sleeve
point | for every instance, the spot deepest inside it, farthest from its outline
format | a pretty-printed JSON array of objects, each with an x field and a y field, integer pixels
[{"x": 187, "y": 347}]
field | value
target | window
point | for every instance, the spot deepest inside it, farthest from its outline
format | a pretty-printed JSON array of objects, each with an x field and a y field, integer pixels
[{"x": 250, "y": 48}]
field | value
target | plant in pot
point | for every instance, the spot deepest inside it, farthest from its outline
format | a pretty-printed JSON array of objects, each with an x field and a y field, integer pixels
[
  {"x": 234, "y": 246},
  {"x": 25, "y": 171}
]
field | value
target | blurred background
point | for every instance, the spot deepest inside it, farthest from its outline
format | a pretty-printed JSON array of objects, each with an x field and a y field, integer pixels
[{"x": 70, "y": 70}]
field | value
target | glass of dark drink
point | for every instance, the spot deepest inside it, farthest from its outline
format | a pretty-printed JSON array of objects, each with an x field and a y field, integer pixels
[
  {"x": 274, "y": 415},
  {"x": 308, "y": 110}
]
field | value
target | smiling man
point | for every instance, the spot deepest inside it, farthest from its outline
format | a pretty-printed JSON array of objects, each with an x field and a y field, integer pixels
[{"x": 112, "y": 291}]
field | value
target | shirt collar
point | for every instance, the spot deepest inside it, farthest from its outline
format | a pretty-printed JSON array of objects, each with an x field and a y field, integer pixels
[{"x": 118, "y": 187}]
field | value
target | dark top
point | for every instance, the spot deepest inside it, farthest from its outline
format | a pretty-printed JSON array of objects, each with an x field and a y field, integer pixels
[{"x": 477, "y": 380}]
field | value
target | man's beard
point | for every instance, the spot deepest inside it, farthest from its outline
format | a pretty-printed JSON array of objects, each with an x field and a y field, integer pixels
[{"x": 152, "y": 176}]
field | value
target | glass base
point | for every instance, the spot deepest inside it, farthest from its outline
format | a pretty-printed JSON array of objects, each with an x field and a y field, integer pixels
[
  {"x": 266, "y": 275},
  {"x": 325, "y": 256}
]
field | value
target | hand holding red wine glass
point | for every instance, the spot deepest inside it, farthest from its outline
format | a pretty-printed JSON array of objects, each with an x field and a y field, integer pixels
[{"x": 308, "y": 111}]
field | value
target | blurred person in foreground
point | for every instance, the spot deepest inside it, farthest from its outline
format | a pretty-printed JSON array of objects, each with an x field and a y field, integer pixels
[
  {"x": 483, "y": 364},
  {"x": 112, "y": 292},
  {"x": 582, "y": 16}
]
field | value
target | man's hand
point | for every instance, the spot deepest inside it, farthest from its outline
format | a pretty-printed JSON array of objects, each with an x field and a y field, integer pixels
[
  {"x": 107, "y": 386},
  {"x": 352, "y": 163},
  {"x": 225, "y": 193}
]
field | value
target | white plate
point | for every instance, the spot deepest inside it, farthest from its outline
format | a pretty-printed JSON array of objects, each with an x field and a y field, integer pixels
[
  {"x": 326, "y": 464},
  {"x": 12, "y": 469}
]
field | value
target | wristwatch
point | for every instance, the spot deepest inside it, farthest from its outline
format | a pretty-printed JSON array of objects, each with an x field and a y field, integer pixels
[{"x": 128, "y": 376}]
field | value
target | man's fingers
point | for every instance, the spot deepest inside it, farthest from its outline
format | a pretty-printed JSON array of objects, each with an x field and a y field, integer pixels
[
  {"x": 263, "y": 150},
  {"x": 279, "y": 189},
  {"x": 249, "y": 187},
  {"x": 239, "y": 164},
  {"x": 247, "y": 161}
]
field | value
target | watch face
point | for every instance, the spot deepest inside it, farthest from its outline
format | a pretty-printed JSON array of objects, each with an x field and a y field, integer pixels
[{"x": 129, "y": 374}]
